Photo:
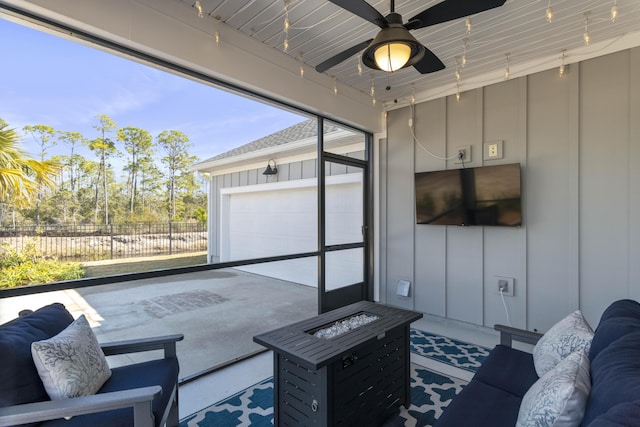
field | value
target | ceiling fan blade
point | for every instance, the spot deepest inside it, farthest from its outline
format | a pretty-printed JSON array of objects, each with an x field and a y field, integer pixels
[
  {"x": 448, "y": 10},
  {"x": 345, "y": 54},
  {"x": 364, "y": 10},
  {"x": 429, "y": 63}
]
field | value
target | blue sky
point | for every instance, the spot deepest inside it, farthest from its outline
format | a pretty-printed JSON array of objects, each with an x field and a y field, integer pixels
[{"x": 49, "y": 80}]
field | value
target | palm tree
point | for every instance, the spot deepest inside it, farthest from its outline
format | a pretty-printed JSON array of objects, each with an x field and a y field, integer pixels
[{"x": 20, "y": 175}]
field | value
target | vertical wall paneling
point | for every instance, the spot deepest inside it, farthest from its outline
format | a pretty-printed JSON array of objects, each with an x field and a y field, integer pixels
[
  {"x": 430, "y": 253},
  {"x": 634, "y": 175},
  {"x": 309, "y": 168},
  {"x": 577, "y": 139},
  {"x": 604, "y": 182},
  {"x": 573, "y": 223},
  {"x": 464, "y": 252},
  {"x": 400, "y": 208},
  {"x": 551, "y": 158},
  {"x": 252, "y": 176},
  {"x": 243, "y": 178},
  {"x": 295, "y": 171},
  {"x": 504, "y": 249},
  {"x": 383, "y": 252},
  {"x": 214, "y": 231}
]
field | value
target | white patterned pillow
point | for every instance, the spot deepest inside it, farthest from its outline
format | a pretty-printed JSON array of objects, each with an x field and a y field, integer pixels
[
  {"x": 559, "y": 398},
  {"x": 71, "y": 364},
  {"x": 569, "y": 335}
]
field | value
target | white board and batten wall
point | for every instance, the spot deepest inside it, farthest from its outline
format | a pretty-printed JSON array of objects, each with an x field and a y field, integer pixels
[{"x": 577, "y": 139}]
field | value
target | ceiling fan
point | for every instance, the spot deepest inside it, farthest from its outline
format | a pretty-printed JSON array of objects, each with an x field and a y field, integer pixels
[{"x": 394, "y": 47}]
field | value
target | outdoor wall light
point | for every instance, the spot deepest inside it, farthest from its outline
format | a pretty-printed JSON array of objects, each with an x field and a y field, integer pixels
[{"x": 270, "y": 170}]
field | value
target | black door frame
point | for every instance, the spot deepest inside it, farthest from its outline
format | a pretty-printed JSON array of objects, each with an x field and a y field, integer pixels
[{"x": 330, "y": 300}]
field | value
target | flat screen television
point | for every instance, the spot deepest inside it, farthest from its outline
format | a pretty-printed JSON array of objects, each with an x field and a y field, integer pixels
[{"x": 487, "y": 195}]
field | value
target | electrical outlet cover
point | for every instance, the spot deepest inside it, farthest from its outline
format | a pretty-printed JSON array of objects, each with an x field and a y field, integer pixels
[
  {"x": 510, "y": 282},
  {"x": 404, "y": 288},
  {"x": 492, "y": 150},
  {"x": 467, "y": 154}
]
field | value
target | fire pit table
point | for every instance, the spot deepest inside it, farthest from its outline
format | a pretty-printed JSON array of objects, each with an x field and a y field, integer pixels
[{"x": 347, "y": 367}]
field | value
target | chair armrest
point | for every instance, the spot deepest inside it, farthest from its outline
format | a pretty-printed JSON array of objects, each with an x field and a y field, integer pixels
[
  {"x": 508, "y": 334},
  {"x": 139, "y": 398},
  {"x": 166, "y": 343}
]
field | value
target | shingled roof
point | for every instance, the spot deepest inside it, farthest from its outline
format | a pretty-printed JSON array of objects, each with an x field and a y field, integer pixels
[{"x": 300, "y": 131}]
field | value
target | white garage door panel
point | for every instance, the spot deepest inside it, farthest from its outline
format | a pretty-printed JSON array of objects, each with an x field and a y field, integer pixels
[
  {"x": 272, "y": 223},
  {"x": 271, "y": 219}
]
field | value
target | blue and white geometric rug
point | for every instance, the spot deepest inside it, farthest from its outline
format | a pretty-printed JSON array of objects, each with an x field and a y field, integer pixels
[
  {"x": 430, "y": 394},
  {"x": 458, "y": 354}
]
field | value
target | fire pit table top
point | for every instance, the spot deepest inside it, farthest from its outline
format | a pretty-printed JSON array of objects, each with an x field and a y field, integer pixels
[{"x": 298, "y": 343}]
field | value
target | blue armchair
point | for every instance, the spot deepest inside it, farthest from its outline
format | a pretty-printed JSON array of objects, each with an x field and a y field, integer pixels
[{"x": 142, "y": 394}]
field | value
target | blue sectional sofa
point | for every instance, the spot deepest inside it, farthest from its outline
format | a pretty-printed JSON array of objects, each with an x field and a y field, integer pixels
[{"x": 494, "y": 395}]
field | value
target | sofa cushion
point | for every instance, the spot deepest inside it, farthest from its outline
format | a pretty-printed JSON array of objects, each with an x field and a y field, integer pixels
[
  {"x": 621, "y": 308},
  {"x": 558, "y": 398},
  {"x": 480, "y": 404},
  {"x": 162, "y": 372},
  {"x": 19, "y": 379},
  {"x": 615, "y": 376},
  {"x": 508, "y": 369},
  {"x": 569, "y": 335},
  {"x": 620, "y": 318},
  {"x": 622, "y": 415},
  {"x": 71, "y": 364}
]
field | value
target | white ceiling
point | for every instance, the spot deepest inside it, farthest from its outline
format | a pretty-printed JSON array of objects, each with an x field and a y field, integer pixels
[{"x": 320, "y": 29}]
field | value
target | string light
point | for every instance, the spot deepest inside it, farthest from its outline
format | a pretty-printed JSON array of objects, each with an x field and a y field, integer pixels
[
  {"x": 286, "y": 25},
  {"x": 562, "y": 66},
  {"x": 507, "y": 73},
  {"x": 465, "y": 43},
  {"x": 413, "y": 95},
  {"x": 614, "y": 11},
  {"x": 549, "y": 13},
  {"x": 468, "y": 25},
  {"x": 373, "y": 88},
  {"x": 335, "y": 86},
  {"x": 360, "y": 64},
  {"x": 457, "y": 92},
  {"x": 198, "y": 7},
  {"x": 217, "y": 37},
  {"x": 586, "y": 37},
  {"x": 301, "y": 65},
  {"x": 457, "y": 69}
]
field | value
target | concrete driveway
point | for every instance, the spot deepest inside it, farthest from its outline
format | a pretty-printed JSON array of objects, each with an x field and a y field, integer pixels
[{"x": 218, "y": 311}]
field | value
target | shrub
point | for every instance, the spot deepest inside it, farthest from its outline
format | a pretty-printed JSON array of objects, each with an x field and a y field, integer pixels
[{"x": 27, "y": 267}]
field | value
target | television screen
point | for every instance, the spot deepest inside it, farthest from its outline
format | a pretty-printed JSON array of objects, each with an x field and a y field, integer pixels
[{"x": 488, "y": 195}]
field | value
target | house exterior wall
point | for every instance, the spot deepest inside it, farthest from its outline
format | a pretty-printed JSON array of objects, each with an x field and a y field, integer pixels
[
  {"x": 254, "y": 216},
  {"x": 577, "y": 139}
]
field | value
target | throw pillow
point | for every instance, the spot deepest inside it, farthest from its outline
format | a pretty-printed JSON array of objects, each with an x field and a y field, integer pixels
[
  {"x": 559, "y": 398},
  {"x": 71, "y": 364},
  {"x": 569, "y": 335}
]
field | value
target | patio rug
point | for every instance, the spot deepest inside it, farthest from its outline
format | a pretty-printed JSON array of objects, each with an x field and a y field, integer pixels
[
  {"x": 430, "y": 394},
  {"x": 447, "y": 350}
]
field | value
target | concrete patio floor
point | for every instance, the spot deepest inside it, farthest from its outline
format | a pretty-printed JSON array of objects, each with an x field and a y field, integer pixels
[{"x": 218, "y": 311}]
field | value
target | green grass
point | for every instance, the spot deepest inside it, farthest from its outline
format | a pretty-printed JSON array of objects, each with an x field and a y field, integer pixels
[{"x": 130, "y": 265}]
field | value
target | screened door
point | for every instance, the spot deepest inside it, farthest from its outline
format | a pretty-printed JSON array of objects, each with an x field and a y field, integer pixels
[{"x": 344, "y": 230}]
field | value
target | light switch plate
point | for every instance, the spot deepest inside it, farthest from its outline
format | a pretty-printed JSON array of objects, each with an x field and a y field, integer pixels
[{"x": 492, "y": 150}]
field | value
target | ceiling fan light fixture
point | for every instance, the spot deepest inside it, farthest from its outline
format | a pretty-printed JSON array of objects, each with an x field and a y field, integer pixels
[
  {"x": 392, "y": 56},
  {"x": 393, "y": 48}
]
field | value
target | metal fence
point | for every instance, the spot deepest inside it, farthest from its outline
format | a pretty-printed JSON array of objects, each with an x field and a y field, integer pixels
[{"x": 98, "y": 242}]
